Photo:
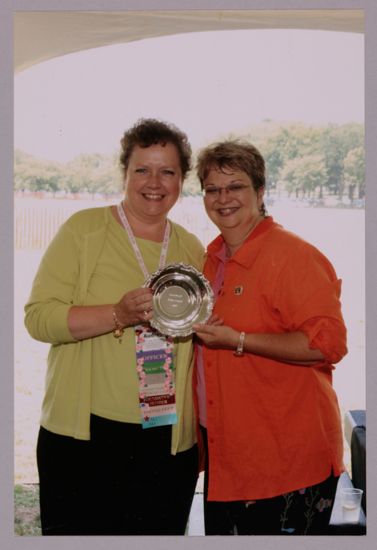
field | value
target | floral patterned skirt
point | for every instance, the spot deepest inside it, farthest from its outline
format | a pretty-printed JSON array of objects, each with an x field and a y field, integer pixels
[{"x": 303, "y": 512}]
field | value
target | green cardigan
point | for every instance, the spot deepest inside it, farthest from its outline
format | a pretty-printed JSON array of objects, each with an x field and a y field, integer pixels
[{"x": 63, "y": 280}]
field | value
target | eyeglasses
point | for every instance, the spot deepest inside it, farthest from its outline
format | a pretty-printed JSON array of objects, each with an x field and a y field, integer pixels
[{"x": 233, "y": 190}]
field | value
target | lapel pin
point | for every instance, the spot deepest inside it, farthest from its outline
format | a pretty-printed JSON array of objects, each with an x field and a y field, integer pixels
[{"x": 238, "y": 290}]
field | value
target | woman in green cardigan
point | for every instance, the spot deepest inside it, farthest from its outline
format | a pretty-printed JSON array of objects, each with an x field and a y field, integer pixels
[{"x": 105, "y": 466}]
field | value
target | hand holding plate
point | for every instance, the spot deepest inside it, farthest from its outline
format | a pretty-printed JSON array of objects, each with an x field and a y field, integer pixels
[
  {"x": 182, "y": 296},
  {"x": 135, "y": 307}
]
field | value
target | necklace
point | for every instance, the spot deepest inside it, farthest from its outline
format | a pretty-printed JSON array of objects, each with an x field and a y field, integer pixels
[{"x": 231, "y": 248}]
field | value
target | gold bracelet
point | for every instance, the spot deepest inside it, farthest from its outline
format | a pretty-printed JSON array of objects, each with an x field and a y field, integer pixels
[
  {"x": 118, "y": 329},
  {"x": 239, "y": 350}
]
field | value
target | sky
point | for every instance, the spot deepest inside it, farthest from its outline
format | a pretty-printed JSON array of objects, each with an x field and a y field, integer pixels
[{"x": 208, "y": 84}]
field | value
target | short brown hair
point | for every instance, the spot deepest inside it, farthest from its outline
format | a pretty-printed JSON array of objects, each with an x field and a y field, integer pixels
[
  {"x": 235, "y": 154},
  {"x": 149, "y": 131}
]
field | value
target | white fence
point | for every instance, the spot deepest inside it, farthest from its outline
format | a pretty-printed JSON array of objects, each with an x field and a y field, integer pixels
[{"x": 37, "y": 220}]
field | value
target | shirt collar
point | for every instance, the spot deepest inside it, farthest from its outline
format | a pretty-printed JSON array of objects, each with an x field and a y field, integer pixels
[{"x": 242, "y": 256}]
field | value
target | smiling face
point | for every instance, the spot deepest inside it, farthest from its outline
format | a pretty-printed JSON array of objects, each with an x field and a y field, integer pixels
[
  {"x": 236, "y": 209},
  {"x": 153, "y": 182}
]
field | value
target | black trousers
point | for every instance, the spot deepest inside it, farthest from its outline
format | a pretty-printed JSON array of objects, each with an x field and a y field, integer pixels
[
  {"x": 124, "y": 481},
  {"x": 303, "y": 512}
]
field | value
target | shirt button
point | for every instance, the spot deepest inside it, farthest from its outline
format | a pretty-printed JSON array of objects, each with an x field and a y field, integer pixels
[
  {"x": 210, "y": 402},
  {"x": 211, "y": 440}
]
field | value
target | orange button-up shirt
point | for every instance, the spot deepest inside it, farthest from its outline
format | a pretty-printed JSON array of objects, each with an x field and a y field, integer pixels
[{"x": 273, "y": 427}]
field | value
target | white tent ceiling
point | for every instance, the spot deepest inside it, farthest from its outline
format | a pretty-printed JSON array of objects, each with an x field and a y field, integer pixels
[{"x": 42, "y": 35}]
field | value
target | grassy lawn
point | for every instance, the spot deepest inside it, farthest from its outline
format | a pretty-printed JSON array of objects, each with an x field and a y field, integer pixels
[{"x": 26, "y": 510}]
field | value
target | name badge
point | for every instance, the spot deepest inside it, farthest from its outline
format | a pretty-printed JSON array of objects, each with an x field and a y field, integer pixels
[{"x": 156, "y": 374}]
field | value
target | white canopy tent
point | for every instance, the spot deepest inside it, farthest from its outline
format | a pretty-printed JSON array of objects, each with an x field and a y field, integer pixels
[{"x": 43, "y": 35}]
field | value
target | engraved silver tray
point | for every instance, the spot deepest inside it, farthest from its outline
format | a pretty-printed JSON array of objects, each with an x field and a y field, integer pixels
[{"x": 182, "y": 296}]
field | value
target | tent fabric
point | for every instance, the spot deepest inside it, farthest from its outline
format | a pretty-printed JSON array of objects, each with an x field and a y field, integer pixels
[{"x": 43, "y": 35}]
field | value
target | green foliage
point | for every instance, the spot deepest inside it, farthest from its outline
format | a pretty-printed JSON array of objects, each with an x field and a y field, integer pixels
[
  {"x": 300, "y": 159},
  {"x": 35, "y": 174},
  {"x": 304, "y": 159},
  {"x": 191, "y": 185},
  {"x": 287, "y": 144},
  {"x": 93, "y": 174},
  {"x": 337, "y": 141},
  {"x": 303, "y": 175},
  {"x": 354, "y": 171}
]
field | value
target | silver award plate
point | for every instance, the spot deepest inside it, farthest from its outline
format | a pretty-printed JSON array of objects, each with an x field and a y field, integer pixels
[{"x": 182, "y": 296}]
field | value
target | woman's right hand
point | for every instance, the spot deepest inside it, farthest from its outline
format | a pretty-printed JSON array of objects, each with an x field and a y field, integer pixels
[{"x": 134, "y": 307}]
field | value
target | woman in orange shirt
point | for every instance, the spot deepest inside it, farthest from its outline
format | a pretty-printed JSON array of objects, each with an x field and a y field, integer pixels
[{"x": 268, "y": 413}]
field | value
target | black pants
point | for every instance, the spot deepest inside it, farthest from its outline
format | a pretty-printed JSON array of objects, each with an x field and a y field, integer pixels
[
  {"x": 304, "y": 512},
  {"x": 124, "y": 481}
]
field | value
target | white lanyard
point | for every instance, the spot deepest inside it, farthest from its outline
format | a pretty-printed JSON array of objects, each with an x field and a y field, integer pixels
[{"x": 139, "y": 257}]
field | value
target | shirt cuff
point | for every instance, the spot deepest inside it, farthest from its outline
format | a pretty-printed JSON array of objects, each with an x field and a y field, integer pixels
[{"x": 328, "y": 335}]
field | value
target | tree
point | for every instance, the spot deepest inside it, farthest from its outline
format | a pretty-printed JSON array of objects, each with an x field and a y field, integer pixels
[
  {"x": 304, "y": 175},
  {"x": 93, "y": 174},
  {"x": 337, "y": 141},
  {"x": 286, "y": 148},
  {"x": 354, "y": 172},
  {"x": 287, "y": 143},
  {"x": 36, "y": 174}
]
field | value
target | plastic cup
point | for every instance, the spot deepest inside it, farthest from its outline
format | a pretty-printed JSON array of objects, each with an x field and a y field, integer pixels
[{"x": 351, "y": 504}]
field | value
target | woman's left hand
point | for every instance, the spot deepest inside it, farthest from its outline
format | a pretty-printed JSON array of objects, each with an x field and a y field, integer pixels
[
  {"x": 217, "y": 335},
  {"x": 214, "y": 320}
]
